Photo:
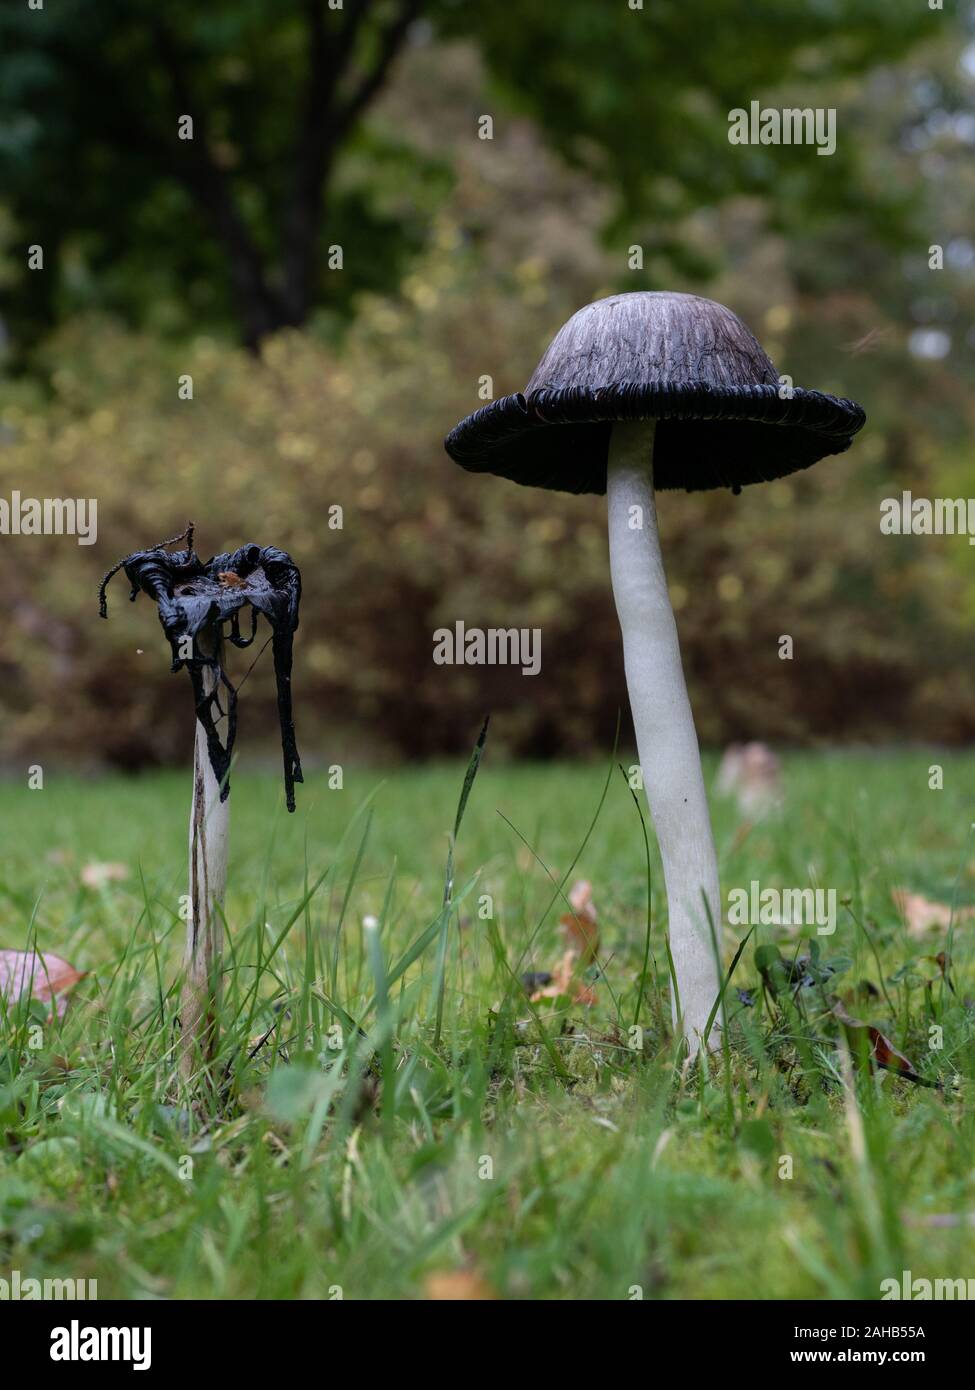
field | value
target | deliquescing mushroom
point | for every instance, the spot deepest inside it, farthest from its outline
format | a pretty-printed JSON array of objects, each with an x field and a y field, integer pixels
[
  {"x": 638, "y": 393},
  {"x": 196, "y": 601}
]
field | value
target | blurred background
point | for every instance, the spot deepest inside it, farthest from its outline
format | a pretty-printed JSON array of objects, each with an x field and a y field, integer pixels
[{"x": 337, "y": 259}]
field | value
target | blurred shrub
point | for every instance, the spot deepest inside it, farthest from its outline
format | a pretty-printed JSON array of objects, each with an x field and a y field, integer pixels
[{"x": 265, "y": 448}]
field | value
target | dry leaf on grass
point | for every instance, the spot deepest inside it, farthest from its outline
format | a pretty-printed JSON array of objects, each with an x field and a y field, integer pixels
[
  {"x": 580, "y": 932},
  {"x": 580, "y": 927},
  {"x": 562, "y": 981},
  {"x": 922, "y": 914},
  {"x": 881, "y": 1049},
  {"x": 943, "y": 965},
  {"x": 96, "y": 875},
  {"x": 45, "y": 976},
  {"x": 457, "y": 1285}
]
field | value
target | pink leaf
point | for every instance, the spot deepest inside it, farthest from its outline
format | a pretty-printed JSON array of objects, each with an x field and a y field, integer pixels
[{"x": 23, "y": 973}]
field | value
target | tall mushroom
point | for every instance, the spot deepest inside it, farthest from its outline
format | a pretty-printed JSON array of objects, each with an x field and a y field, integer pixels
[
  {"x": 638, "y": 393},
  {"x": 197, "y": 601}
]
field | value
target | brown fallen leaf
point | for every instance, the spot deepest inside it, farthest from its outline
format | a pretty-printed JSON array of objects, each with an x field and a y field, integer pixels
[
  {"x": 944, "y": 968},
  {"x": 557, "y": 981},
  {"x": 922, "y": 914},
  {"x": 45, "y": 976},
  {"x": 562, "y": 980},
  {"x": 882, "y": 1050},
  {"x": 580, "y": 927},
  {"x": 580, "y": 932},
  {"x": 95, "y": 875},
  {"x": 457, "y": 1285}
]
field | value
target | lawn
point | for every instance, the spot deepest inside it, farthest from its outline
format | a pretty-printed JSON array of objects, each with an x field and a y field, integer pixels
[{"x": 533, "y": 1150}]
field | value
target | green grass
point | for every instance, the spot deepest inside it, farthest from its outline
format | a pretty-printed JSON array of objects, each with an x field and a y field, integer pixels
[{"x": 534, "y": 1145}]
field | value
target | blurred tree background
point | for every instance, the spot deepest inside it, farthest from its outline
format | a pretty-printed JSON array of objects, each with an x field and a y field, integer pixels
[{"x": 318, "y": 384}]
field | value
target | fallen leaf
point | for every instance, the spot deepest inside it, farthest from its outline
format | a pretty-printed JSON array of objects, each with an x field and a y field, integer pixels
[
  {"x": 580, "y": 927},
  {"x": 922, "y": 914},
  {"x": 882, "y": 1050},
  {"x": 96, "y": 875},
  {"x": 457, "y": 1285},
  {"x": 584, "y": 995},
  {"x": 23, "y": 973},
  {"x": 944, "y": 968},
  {"x": 580, "y": 932},
  {"x": 559, "y": 980}
]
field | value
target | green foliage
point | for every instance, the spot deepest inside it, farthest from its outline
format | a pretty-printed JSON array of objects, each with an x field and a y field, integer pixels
[
  {"x": 266, "y": 448},
  {"x": 880, "y": 625},
  {"x": 235, "y": 224},
  {"x": 641, "y": 97}
]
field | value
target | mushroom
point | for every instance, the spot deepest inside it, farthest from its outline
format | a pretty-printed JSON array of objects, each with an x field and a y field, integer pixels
[
  {"x": 196, "y": 601},
  {"x": 638, "y": 393}
]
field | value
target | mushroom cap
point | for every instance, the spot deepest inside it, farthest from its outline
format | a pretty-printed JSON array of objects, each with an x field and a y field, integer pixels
[
  {"x": 724, "y": 419},
  {"x": 191, "y": 596}
]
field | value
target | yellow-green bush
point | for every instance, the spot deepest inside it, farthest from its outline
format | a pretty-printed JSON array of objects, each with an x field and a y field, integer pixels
[{"x": 265, "y": 448}]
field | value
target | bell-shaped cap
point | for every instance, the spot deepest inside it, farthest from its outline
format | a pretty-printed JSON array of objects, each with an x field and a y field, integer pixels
[{"x": 724, "y": 417}]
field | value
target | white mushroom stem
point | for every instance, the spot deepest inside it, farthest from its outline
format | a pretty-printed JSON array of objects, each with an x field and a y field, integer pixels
[
  {"x": 666, "y": 738},
  {"x": 209, "y": 834}
]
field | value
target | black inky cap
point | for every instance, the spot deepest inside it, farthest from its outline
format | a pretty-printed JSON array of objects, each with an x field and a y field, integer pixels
[
  {"x": 193, "y": 595},
  {"x": 688, "y": 363}
]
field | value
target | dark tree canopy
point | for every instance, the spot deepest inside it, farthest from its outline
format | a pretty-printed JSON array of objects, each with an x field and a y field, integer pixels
[{"x": 234, "y": 225}]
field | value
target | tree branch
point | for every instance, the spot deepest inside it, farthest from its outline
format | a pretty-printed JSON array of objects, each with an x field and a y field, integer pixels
[
  {"x": 335, "y": 96},
  {"x": 356, "y": 12},
  {"x": 314, "y": 147},
  {"x": 390, "y": 43},
  {"x": 260, "y": 309},
  {"x": 325, "y": 122}
]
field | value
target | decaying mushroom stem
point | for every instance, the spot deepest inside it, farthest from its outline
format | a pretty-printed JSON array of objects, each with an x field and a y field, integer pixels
[
  {"x": 666, "y": 738},
  {"x": 198, "y": 602},
  {"x": 209, "y": 834}
]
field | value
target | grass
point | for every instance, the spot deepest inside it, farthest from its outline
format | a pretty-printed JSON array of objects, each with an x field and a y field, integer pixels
[{"x": 535, "y": 1150}]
